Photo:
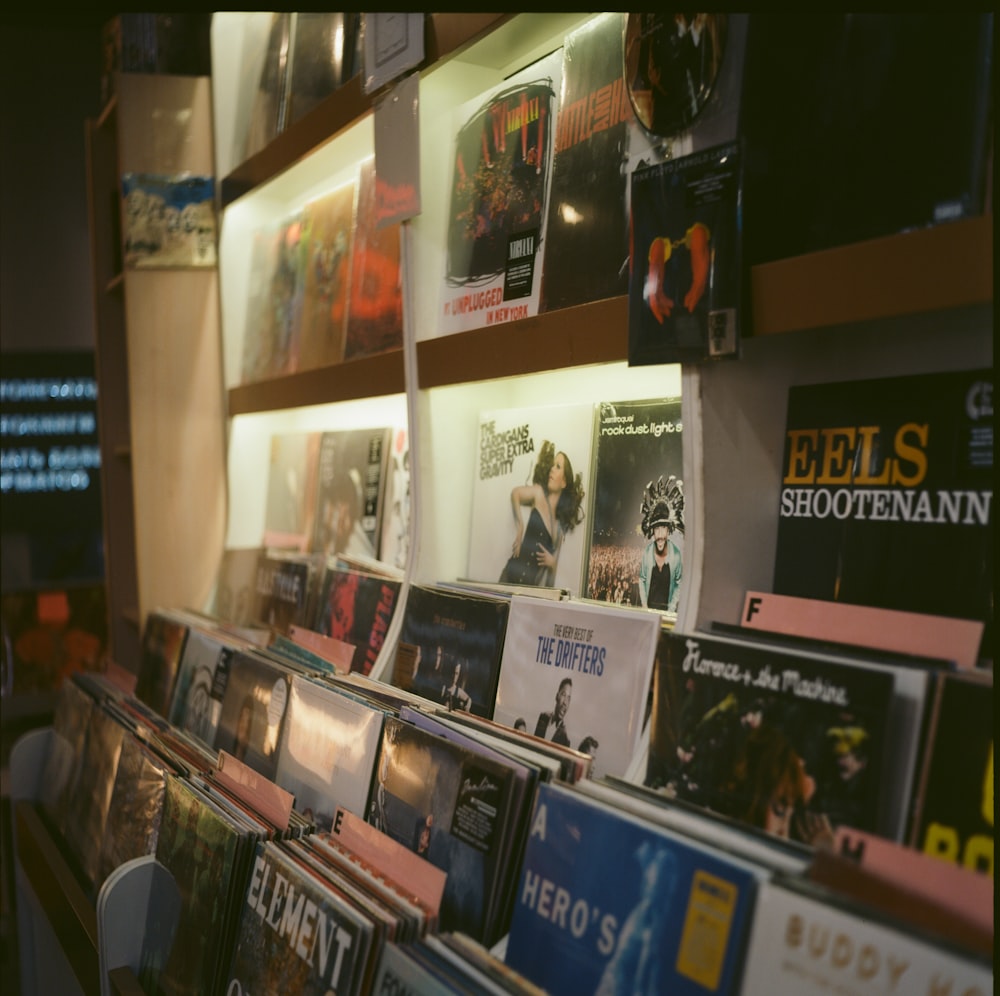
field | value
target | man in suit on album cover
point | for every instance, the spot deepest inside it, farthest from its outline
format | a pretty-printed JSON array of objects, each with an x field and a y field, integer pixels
[{"x": 552, "y": 725}]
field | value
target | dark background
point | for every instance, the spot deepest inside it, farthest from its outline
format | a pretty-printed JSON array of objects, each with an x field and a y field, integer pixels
[{"x": 50, "y": 64}]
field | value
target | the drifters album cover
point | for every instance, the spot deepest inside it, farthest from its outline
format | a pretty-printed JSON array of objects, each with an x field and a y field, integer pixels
[
  {"x": 529, "y": 504},
  {"x": 499, "y": 200},
  {"x": 887, "y": 494},
  {"x": 684, "y": 285},
  {"x": 579, "y": 674},
  {"x": 636, "y": 550}
]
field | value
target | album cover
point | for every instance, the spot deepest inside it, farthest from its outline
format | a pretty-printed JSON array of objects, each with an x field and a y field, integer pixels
[
  {"x": 530, "y": 501},
  {"x": 780, "y": 740},
  {"x": 449, "y": 647},
  {"x": 290, "y": 505},
  {"x": 860, "y": 81},
  {"x": 635, "y": 551},
  {"x": 357, "y": 608},
  {"x": 327, "y": 246},
  {"x": 287, "y": 589},
  {"x": 201, "y": 848},
  {"x": 296, "y": 933},
  {"x": 502, "y": 170},
  {"x": 352, "y": 467},
  {"x": 792, "y": 915},
  {"x": 91, "y": 797},
  {"x": 327, "y": 751},
  {"x": 197, "y": 700},
  {"x": 647, "y": 910},
  {"x": 168, "y": 220},
  {"x": 452, "y": 806},
  {"x": 324, "y": 58},
  {"x": 274, "y": 303},
  {"x": 163, "y": 639},
  {"x": 254, "y": 703},
  {"x": 132, "y": 825},
  {"x": 684, "y": 292},
  {"x": 884, "y": 480},
  {"x": 61, "y": 769},
  {"x": 269, "y": 109},
  {"x": 375, "y": 309},
  {"x": 953, "y": 817},
  {"x": 587, "y": 227},
  {"x": 579, "y": 674}
]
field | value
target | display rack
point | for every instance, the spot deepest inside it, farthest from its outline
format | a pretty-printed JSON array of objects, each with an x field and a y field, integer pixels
[
  {"x": 67, "y": 943},
  {"x": 869, "y": 309},
  {"x": 910, "y": 302}
]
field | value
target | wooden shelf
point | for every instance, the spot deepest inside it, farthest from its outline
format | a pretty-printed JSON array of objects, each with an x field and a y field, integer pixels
[
  {"x": 445, "y": 34},
  {"x": 107, "y": 115},
  {"x": 570, "y": 337},
  {"x": 947, "y": 266},
  {"x": 368, "y": 377}
]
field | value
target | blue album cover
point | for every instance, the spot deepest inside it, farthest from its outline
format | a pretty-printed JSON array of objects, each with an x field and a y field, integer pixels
[{"x": 608, "y": 904}]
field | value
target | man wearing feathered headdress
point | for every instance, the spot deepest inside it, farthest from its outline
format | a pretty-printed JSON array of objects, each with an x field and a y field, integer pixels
[{"x": 662, "y": 521}]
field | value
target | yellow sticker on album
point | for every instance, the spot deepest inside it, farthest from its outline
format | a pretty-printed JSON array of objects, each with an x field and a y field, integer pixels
[{"x": 706, "y": 929}]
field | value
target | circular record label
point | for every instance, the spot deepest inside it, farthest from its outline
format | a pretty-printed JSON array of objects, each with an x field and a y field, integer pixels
[{"x": 671, "y": 64}]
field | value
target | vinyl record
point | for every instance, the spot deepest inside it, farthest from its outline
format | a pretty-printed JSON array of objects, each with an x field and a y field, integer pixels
[{"x": 671, "y": 64}]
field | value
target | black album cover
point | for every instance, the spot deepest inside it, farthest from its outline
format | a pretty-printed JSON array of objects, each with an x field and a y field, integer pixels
[
  {"x": 324, "y": 56},
  {"x": 450, "y": 646},
  {"x": 785, "y": 742},
  {"x": 685, "y": 286},
  {"x": 887, "y": 494},
  {"x": 588, "y": 206},
  {"x": 953, "y": 816},
  {"x": 635, "y": 553}
]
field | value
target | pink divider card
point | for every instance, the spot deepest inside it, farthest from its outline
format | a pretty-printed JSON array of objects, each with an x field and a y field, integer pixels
[
  {"x": 966, "y": 894},
  {"x": 406, "y": 868},
  {"x": 939, "y": 637},
  {"x": 267, "y": 798}
]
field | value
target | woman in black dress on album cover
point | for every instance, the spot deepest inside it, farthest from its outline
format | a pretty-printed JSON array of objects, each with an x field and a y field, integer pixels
[{"x": 555, "y": 499}]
